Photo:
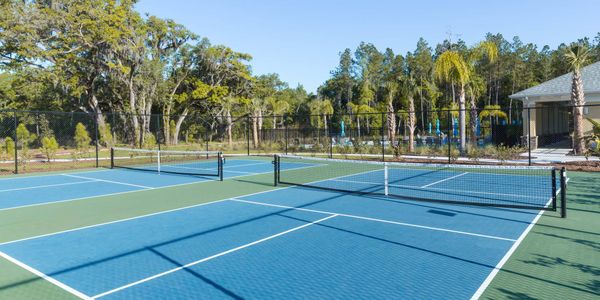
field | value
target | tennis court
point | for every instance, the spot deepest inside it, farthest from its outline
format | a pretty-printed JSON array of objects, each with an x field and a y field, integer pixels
[{"x": 336, "y": 229}]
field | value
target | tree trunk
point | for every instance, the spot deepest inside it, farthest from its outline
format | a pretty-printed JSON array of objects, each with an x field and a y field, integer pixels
[
  {"x": 391, "y": 122},
  {"x": 578, "y": 100},
  {"x": 229, "y": 125},
  {"x": 462, "y": 117},
  {"x": 254, "y": 132},
  {"x": 134, "y": 117},
  {"x": 473, "y": 121},
  {"x": 358, "y": 125},
  {"x": 260, "y": 126},
  {"x": 412, "y": 124},
  {"x": 180, "y": 120},
  {"x": 325, "y": 125}
]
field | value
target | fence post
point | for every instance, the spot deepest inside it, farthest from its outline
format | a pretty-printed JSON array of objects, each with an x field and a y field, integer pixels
[
  {"x": 382, "y": 136},
  {"x": 449, "y": 138},
  {"x": 285, "y": 132},
  {"x": 563, "y": 192},
  {"x": 330, "y": 136},
  {"x": 97, "y": 135},
  {"x": 206, "y": 128},
  {"x": 16, "y": 143},
  {"x": 248, "y": 133},
  {"x": 158, "y": 129},
  {"x": 529, "y": 133}
]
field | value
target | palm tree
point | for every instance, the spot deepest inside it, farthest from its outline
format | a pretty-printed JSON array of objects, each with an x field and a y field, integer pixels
[
  {"x": 321, "y": 108},
  {"x": 450, "y": 66},
  {"x": 410, "y": 89},
  {"x": 476, "y": 84},
  {"x": 279, "y": 107},
  {"x": 577, "y": 56},
  {"x": 392, "y": 89}
]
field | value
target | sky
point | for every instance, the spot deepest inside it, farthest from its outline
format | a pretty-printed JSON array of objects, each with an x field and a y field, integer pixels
[{"x": 301, "y": 40}]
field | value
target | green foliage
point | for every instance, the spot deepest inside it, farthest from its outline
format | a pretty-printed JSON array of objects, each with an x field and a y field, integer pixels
[
  {"x": 24, "y": 139},
  {"x": 9, "y": 147},
  {"x": 149, "y": 141},
  {"x": 49, "y": 147},
  {"x": 106, "y": 137},
  {"x": 82, "y": 141}
]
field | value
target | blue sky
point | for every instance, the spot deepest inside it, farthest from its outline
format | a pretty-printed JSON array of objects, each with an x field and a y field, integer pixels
[{"x": 301, "y": 40}]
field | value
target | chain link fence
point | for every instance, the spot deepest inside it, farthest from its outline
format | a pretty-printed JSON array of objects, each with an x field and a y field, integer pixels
[{"x": 38, "y": 141}]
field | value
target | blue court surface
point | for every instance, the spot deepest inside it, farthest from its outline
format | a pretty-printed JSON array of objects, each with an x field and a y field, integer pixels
[
  {"x": 292, "y": 242},
  {"x": 16, "y": 192}
]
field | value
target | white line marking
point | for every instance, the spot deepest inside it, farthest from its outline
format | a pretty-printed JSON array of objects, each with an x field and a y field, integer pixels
[
  {"x": 376, "y": 220},
  {"x": 508, "y": 254},
  {"x": 45, "y": 186},
  {"x": 109, "y": 181},
  {"x": 44, "y": 276},
  {"x": 141, "y": 216},
  {"x": 210, "y": 257},
  {"x": 446, "y": 179},
  {"x": 135, "y": 191}
]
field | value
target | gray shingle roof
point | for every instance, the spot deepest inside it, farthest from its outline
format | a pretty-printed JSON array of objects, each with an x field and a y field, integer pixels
[{"x": 562, "y": 85}]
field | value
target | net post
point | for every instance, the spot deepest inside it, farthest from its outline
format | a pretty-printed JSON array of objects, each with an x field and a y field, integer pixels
[
  {"x": 563, "y": 192},
  {"x": 112, "y": 158},
  {"x": 220, "y": 165},
  {"x": 158, "y": 160},
  {"x": 275, "y": 170},
  {"x": 385, "y": 179},
  {"x": 553, "y": 189},
  {"x": 16, "y": 143}
]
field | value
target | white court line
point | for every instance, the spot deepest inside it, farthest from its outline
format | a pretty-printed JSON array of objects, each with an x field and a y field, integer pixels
[
  {"x": 377, "y": 220},
  {"x": 135, "y": 191},
  {"x": 508, "y": 254},
  {"x": 211, "y": 257},
  {"x": 44, "y": 276},
  {"x": 109, "y": 181},
  {"x": 146, "y": 215},
  {"x": 45, "y": 186},
  {"x": 441, "y": 189},
  {"x": 446, "y": 179}
]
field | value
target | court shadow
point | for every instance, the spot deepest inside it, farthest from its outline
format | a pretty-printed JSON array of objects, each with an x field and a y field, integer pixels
[{"x": 212, "y": 283}]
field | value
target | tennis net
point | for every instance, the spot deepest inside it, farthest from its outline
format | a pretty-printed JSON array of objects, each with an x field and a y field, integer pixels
[
  {"x": 502, "y": 186},
  {"x": 202, "y": 163}
]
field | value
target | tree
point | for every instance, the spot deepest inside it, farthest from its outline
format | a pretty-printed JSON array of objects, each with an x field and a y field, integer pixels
[
  {"x": 450, "y": 66},
  {"x": 410, "y": 89},
  {"x": 392, "y": 89},
  {"x": 49, "y": 147},
  {"x": 9, "y": 146},
  {"x": 82, "y": 140},
  {"x": 577, "y": 56},
  {"x": 24, "y": 139}
]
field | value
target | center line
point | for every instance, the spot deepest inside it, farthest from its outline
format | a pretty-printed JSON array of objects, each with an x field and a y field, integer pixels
[
  {"x": 109, "y": 181},
  {"x": 439, "y": 181}
]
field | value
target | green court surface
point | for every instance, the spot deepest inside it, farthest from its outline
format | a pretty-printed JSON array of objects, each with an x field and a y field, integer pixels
[{"x": 557, "y": 259}]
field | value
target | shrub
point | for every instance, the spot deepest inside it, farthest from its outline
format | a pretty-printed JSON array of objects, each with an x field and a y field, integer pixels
[
  {"x": 474, "y": 153},
  {"x": 24, "y": 139},
  {"x": 106, "y": 137},
  {"x": 49, "y": 147},
  {"x": 503, "y": 153},
  {"x": 82, "y": 140},
  {"x": 9, "y": 147},
  {"x": 149, "y": 141}
]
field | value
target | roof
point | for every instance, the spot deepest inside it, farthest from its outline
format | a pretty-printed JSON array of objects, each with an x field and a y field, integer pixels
[{"x": 562, "y": 85}]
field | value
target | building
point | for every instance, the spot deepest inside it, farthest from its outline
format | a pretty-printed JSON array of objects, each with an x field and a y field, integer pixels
[{"x": 547, "y": 115}]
